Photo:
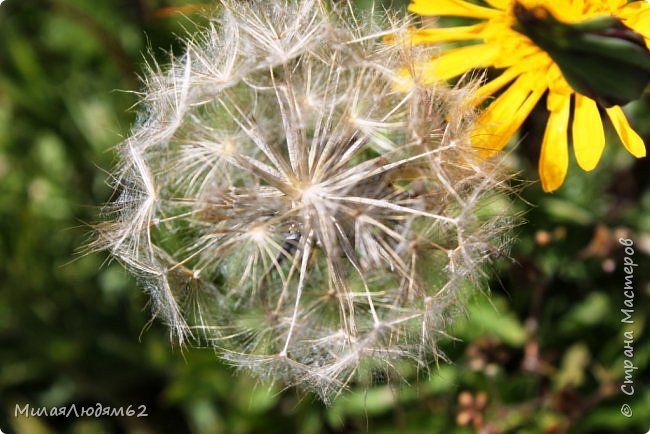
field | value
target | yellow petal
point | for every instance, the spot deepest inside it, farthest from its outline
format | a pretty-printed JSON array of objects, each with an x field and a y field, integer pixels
[
  {"x": 616, "y": 4},
  {"x": 556, "y": 82},
  {"x": 445, "y": 34},
  {"x": 501, "y": 120},
  {"x": 554, "y": 157},
  {"x": 403, "y": 80},
  {"x": 631, "y": 140},
  {"x": 636, "y": 15},
  {"x": 571, "y": 12},
  {"x": 457, "y": 8},
  {"x": 578, "y": 6},
  {"x": 634, "y": 10},
  {"x": 496, "y": 83},
  {"x": 499, "y": 4},
  {"x": 510, "y": 73},
  {"x": 588, "y": 133},
  {"x": 460, "y": 60}
]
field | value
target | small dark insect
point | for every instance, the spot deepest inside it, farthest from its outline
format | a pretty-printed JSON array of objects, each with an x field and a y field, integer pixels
[
  {"x": 289, "y": 246},
  {"x": 291, "y": 243}
]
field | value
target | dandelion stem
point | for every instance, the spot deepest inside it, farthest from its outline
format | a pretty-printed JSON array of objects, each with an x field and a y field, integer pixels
[{"x": 306, "y": 251}]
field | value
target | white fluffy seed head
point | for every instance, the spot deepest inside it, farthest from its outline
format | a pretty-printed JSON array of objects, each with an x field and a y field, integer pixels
[{"x": 283, "y": 200}]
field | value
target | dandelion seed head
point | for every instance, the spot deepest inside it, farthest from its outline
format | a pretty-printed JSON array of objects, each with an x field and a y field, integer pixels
[{"x": 282, "y": 200}]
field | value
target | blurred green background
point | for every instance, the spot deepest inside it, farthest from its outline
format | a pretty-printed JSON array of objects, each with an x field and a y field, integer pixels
[{"x": 543, "y": 352}]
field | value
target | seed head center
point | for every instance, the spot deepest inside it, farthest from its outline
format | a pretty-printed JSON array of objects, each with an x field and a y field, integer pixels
[{"x": 310, "y": 193}]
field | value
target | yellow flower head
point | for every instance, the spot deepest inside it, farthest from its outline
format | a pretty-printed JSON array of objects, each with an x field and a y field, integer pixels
[{"x": 530, "y": 72}]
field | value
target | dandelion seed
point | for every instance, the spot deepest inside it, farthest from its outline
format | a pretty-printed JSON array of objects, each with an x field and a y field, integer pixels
[{"x": 310, "y": 220}]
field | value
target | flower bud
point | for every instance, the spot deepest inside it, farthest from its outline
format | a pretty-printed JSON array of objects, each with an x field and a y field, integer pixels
[{"x": 600, "y": 58}]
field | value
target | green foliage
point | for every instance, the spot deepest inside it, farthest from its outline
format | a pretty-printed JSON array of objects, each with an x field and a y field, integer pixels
[{"x": 546, "y": 346}]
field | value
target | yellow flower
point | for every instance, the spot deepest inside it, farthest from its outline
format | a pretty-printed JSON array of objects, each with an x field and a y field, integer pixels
[{"x": 530, "y": 72}]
